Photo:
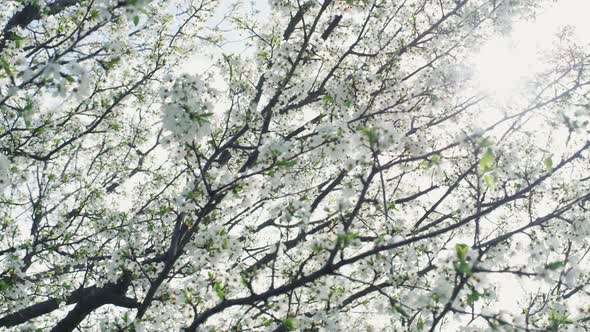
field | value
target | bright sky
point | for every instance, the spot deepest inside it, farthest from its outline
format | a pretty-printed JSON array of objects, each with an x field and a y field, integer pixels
[
  {"x": 233, "y": 42},
  {"x": 504, "y": 63}
]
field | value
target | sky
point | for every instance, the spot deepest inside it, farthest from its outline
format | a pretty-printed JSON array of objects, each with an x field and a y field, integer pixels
[
  {"x": 505, "y": 62},
  {"x": 502, "y": 64}
]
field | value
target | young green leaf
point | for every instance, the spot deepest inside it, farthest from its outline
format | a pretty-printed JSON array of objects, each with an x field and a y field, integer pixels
[
  {"x": 548, "y": 164},
  {"x": 344, "y": 240},
  {"x": 420, "y": 324},
  {"x": 218, "y": 287},
  {"x": 286, "y": 163},
  {"x": 486, "y": 162},
  {"x": 463, "y": 267},
  {"x": 436, "y": 159},
  {"x": 371, "y": 134},
  {"x": 473, "y": 295},
  {"x": 489, "y": 179},
  {"x": 462, "y": 250},
  {"x": 555, "y": 265},
  {"x": 290, "y": 324}
]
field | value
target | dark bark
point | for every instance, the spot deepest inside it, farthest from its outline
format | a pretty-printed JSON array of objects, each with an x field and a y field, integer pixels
[
  {"x": 293, "y": 22},
  {"x": 86, "y": 299},
  {"x": 28, "y": 14},
  {"x": 331, "y": 27}
]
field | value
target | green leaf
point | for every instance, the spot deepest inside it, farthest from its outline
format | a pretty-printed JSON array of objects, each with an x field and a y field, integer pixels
[
  {"x": 548, "y": 164},
  {"x": 473, "y": 296},
  {"x": 290, "y": 324},
  {"x": 487, "y": 161},
  {"x": 489, "y": 179},
  {"x": 286, "y": 163},
  {"x": 237, "y": 188},
  {"x": 244, "y": 282},
  {"x": 94, "y": 14},
  {"x": 135, "y": 20},
  {"x": 19, "y": 41},
  {"x": 355, "y": 2},
  {"x": 218, "y": 287},
  {"x": 461, "y": 265},
  {"x": 27, "y": 112},
  {"x": 316, "y": 248},
  {"x": 463, "y": 268},
  {"x": 555, "y": 319},
  {"x": 371, "y": 134},
  {"x": 201, "y": 118},
  {"x": 4, "y": 285},
  {"x": 555, "y": 265},
  {"x": 462, "y": 250},
  {"x": 110, "y": 64},
  {"x": 420, "y": 324},
  {"x": 263, "y": 54},
  {"x": 436, "y": 159},
  {"x": 391, "y": 206},
  {"x": 401, "y": 311},
  {"x": 5, "y": 66},
  {"x": 344, "y": 240}
]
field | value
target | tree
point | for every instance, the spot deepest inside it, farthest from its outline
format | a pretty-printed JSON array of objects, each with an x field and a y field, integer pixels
[{"x": 336, "y": 176}]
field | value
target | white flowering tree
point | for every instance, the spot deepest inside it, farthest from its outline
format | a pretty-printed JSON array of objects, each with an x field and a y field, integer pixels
[{"x": 344, "y": 173}]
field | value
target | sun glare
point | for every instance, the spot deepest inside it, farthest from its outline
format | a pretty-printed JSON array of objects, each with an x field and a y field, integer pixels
[
  {"x": 505, "y": 63},
  {"x": 501, "y": 68}
]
